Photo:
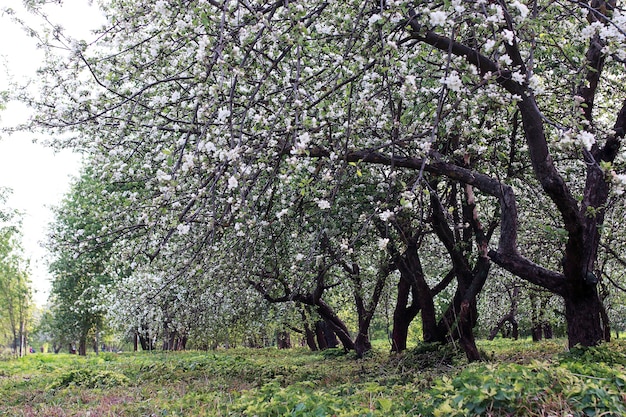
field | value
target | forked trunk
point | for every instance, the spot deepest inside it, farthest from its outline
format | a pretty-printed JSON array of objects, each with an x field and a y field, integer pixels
[{"x": 336, "y": 324}]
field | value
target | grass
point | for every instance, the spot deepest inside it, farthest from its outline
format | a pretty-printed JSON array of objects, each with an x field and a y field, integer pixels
[{"x": 518, "y": 378}]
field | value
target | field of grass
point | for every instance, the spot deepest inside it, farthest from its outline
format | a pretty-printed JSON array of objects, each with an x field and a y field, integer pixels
[{"x": 516, "y": 379}]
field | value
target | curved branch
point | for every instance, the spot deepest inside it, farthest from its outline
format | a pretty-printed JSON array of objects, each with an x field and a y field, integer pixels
[
  {"x": 533, "y": 122},
  {"x": 507, "y": 255}
]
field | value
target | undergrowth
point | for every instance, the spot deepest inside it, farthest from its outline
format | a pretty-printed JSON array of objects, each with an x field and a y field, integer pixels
[{"x": 515, "y": 379}]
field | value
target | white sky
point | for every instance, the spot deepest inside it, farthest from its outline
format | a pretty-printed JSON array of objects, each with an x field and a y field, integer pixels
[{"x": 38, "y": 176}]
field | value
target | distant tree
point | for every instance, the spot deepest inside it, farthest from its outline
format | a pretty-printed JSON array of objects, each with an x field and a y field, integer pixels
[
  {"x": 15, "y": 292},
  {"x": 79, "y": 271}
]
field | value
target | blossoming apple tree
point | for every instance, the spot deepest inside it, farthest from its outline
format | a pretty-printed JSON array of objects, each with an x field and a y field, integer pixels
[{"x": 210, "y": 111}]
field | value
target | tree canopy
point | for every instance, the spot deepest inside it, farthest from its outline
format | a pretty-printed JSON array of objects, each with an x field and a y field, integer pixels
[
  {"x": 15, "y": 291},
  {"x": 282, "y": 146}
]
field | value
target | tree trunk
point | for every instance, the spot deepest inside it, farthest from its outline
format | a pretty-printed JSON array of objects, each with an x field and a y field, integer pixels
[
  {"x": 547, "y": 330},
  {"x": 320, "y": 333},
  {"x": 583, "y": 311},
  {"x": 459, "y": 321},
  {"x": 336, "y": 324},
  {"x": 468, "y": 316},
  {"x": 365, "y": 313},
  {"x": 509, "y": 318},
  {"x": 362, "y": 344},
  {"x": 283, "y": 340},
  {"x": 310, "y": 337},
  {"x": 181, "y": 342},
  {"x": 402, "y": 316},
  {"x": 82, "y": 345},
  {"x": 326, "y": 336}
]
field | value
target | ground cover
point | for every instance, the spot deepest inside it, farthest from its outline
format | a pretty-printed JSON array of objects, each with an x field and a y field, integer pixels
[{"x": 516, "y": 378}]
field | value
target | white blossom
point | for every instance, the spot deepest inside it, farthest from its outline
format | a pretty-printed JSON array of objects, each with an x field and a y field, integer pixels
[
  {"x": 518, "y": 77},
  {"x": 281, "y": 213},
  {"x": 438, "y": 18},
  {"x": 222, "y": 115},
  {"x": 375, "y": 18},
  {"x": 587, "y": 138},
  {"x": 619, "y": 180},
  {"x": 182, "y": 229},
  {"x": 386, "y": 215},
  {"x": 232, "y": 182},
  {"x": 323, "y": 204},
  {"x": 521, "y": 8},
  {"x": 453, "y": 81},
  {"x": 508, "y": 36}
]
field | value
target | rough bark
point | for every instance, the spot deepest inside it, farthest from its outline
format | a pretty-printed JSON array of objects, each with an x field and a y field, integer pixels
[
  {"x": 583, "y": 315},
  {"x": 336, "y": 324},
  {"x": 459, "y": 320},
  {"x": 309, "y": 334},
  {"x": 424, "y": 298},
  {"x": 82, "y": 345},
  {"x": 326, "y": 337},
  {"x": 403, "y": 315},
  {"x": 365, "y": 311}
]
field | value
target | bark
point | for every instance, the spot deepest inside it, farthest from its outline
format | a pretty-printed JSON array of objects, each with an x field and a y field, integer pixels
[
  {"x": 336, "y": 324},
  {"x": 538, "y": 321},
  {"x": 82, "y": 345},
  {"x": 309, "y": 334},
  {"x": 181, "y": 343},
  {"x": 547, "y": 330},
  {"x": 310, "y": 337},
  {"x": 500, "y": 327},
  {"x": 283, "y": 340},
  {"x": 365, "y": 313},
  {"x": 362, "y": 344},
  {"x": 425, "y": 300},
  {"x": 320, "y": 334},
  {"x": 145, "y": 339},
  {"x": 313, "y": 299},
  {"x": 459, "y": 320},
  {"x": 326, "y": 337},
  {"x": 583, "y": 315},
  {"x": 403, "y": 315}
]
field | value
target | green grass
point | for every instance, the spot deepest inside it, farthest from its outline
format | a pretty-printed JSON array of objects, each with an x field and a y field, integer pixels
[{"x": 516, "y": 379}]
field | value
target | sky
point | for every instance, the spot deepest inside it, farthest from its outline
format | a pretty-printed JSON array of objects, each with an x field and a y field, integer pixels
[{"x": 38, "y": 176}]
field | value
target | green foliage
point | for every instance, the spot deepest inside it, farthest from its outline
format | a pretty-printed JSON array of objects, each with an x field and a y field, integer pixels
[
  {"x": 88, "y": 378},
  {"x": 15, "y": 291},
  {"x": 79, "y": 274},
  {"x": 521, "y": 379}
]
